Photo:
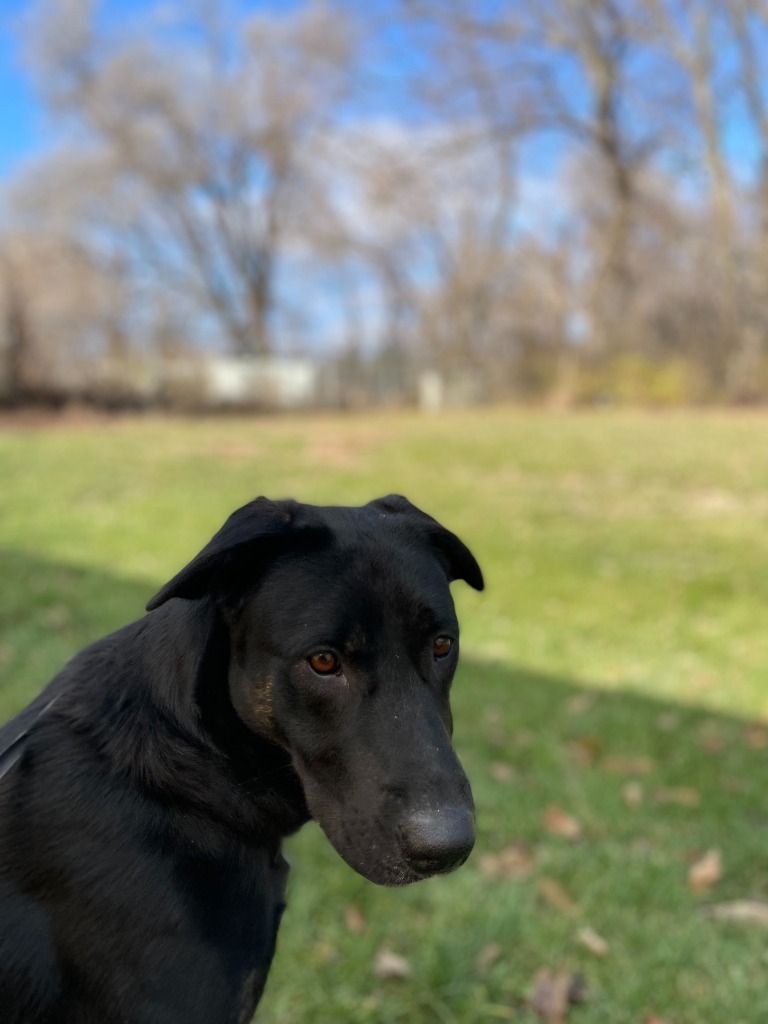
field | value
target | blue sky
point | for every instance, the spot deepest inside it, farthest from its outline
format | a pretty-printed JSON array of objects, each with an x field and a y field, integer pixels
[
  {"x": 24, "y": 129},
  {"x": 543, "y": 202},
  {"x": 21, "y": 128}
]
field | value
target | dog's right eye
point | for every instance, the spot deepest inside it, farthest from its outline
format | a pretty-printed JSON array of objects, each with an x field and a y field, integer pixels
[
  {"x": 325, "y": 663},
  {"x": 441, "y": 648}
]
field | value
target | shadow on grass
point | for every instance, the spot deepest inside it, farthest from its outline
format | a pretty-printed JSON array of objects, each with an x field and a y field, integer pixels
[
  {"x": 647, "y": 786},
  {"x": 592, "y": 808},
  {"x": 48, "y": 611},
  {"x": 625, "y": 767},
  {"x": 514, "y": 726}
]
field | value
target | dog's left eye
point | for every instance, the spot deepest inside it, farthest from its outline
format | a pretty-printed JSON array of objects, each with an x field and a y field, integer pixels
[
  {"x": 441, "y": 648},
  {"x": 325, "y": 663}
]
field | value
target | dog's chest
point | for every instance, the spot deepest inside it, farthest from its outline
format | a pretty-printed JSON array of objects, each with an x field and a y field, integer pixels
[
  {"x": 237, "y": 906},
  {"x": 250, "y": 994}
]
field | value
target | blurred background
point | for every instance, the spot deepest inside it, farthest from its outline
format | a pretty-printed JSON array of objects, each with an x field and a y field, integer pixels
[
  {"x": 510, "y": 260},
  {"x": 404, "y": 201}
]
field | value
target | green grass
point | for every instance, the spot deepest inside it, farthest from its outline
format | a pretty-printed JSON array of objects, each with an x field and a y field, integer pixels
[{"x": 621, "y": 639}]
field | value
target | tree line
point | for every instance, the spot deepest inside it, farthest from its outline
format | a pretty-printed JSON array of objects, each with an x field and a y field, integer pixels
[{"x": 564, "y": 200}]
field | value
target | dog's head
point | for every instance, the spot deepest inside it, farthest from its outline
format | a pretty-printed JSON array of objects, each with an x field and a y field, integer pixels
[{"x": 344, "y": 642}]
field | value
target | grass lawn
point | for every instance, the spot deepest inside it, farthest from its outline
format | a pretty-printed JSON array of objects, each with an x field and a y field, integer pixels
[{"x": 611, "y": 709}]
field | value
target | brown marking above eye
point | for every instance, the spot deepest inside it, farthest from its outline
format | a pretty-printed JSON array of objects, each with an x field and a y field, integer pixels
[
  {"x": 324, "y": 663},
  {"x": 441, "y": 648}
]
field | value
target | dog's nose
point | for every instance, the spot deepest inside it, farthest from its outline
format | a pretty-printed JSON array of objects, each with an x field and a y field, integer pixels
[{"x": 440, "y": 840}]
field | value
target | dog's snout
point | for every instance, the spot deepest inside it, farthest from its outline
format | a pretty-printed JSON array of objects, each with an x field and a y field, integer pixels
[{"x": 439, "y": 840}]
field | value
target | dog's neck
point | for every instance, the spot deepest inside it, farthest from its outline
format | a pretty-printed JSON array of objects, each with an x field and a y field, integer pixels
[{"x": 166, "y": 724}]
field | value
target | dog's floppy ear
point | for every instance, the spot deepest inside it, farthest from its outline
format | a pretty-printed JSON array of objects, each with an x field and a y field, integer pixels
[
  {"x": 255, "y": 523},
  {"x": 459, "y": 560}
]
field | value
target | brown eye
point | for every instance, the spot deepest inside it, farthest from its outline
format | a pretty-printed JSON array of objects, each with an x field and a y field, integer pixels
[
  {"x": 325, "y": 663},
  {"x": 441, "y": 648}
]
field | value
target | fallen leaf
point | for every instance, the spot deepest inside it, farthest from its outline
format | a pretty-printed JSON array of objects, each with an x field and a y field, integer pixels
[
  {"x": 710, "y": 738},
  {"x": 592, "y": 941},
  {"x": 560, "y": 823},
  {"x": 503, "y": 772},
  {"x": 706, "y": 871},
  {"x": 387, "y": 964},
  {"x": 756, "y": 737},
  {"x": 324, "y": 952},
  {"x": 732, "y": 785},
  {"x": 668, "y": 721},
  {"x": 56, "y": 617},
  {"x": 622, "y": 765},
  {"x": 553, "y": 893},
  {"x": 633, "y": 794},
  {"x": 584, "y": 750},
  {"x": 654, "y": 1020},
  {"x": 580, "y": 703},
  {"x": 739, "y": 911},
  {"x": 354, "y": 920},
  {"x": 515, "y": 861},
  {"x": 550, "y": 996},
  {"x": 683, "y": 796},
  {"x": 486, "y": 958},
  {"x": 554, "y": 993}
]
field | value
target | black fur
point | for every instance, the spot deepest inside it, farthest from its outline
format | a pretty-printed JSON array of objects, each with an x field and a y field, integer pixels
[{"x": 144, "y": 795}]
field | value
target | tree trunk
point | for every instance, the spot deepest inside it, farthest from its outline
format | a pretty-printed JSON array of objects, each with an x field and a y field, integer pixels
[{"x": 18, "y": 343}]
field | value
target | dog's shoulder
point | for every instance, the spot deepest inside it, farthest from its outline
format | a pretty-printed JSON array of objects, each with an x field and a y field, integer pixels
[{"x": 30, "y": 981}]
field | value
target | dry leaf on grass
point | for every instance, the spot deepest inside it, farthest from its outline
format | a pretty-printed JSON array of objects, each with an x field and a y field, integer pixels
[
  {"x": 620, "y": 764},
  {"x": 732, "y": 785},
  {"x": 560, "y": 823},
  {"x": 515, "y": 862},
  {"x": 580, "y": 703},
  {"x": 56, "y": 617},
  {"x": 668, "y": 721},
  {"x": 592, "y": 941},
  {"x": 550, "y": 996},
  {"x": 553, "y": 893},
  {"x": 706, "y": 872},
  {"x": 756, "y": 737},
  {"x": 324, "y": 952},
  {"x": 354, "y": 919},
  {"x": 503, "y": 772},
  {"x": 554, "y": 993},
  {"x": 739, "y": 911},
  {"x": 711, "y": 739},
  {"x": 584, "y": 750},
  {"x": 633, "y": 794},
  {"x": 682, "y": 796},
  {"x": 486, "y": 958},
  {"x": 387, "y": 964}
]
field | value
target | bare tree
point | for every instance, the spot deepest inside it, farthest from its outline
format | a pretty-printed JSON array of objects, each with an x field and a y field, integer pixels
[
  {"x": 205, "y": 145},
  {"x": 61, "y": 313},
  {"x": 17, "y": 340},
  {"x": 749, "y": 25},
  {"x": 219, "y": 181},
  {"x": 695, "y": 32},
  {"x": 588, "y": 76}
]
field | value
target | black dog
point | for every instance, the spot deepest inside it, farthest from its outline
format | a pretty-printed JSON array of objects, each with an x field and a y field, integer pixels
[{"x": 298, "y": 667}]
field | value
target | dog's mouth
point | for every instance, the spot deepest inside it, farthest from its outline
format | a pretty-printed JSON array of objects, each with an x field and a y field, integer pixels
[
  {"x": 389, "y": 839},
  {"x": 437, "y": 844},
  {"x": 397, "y": 869}
]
